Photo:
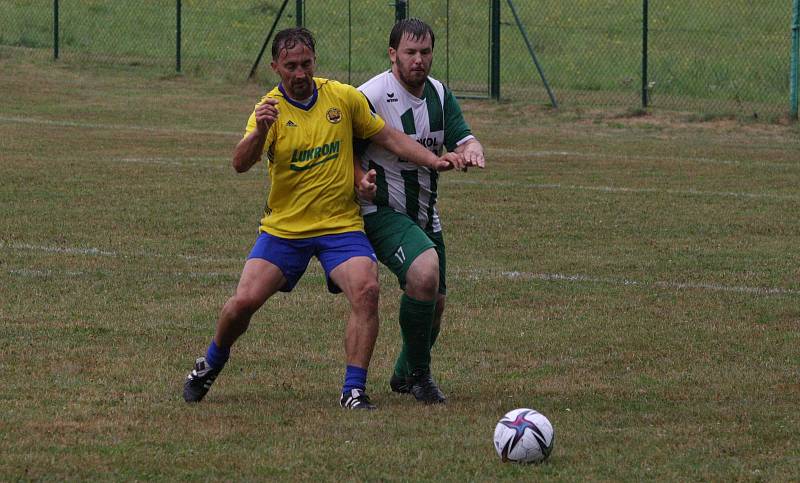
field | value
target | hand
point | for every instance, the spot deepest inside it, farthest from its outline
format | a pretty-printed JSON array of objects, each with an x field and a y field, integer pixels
[
  {"x": 366, "y": 187},
  {"x": 453, "y": 160},
  {"x": 474, "y": 157},
  {"x": 266, "y": 114}
]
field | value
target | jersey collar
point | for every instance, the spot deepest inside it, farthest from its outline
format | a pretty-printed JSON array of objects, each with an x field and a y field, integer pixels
[{"x": 297, "y": 104}]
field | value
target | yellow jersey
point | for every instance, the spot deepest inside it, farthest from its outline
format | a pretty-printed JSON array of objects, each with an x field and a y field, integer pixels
[{"x": 309, "y": 152}]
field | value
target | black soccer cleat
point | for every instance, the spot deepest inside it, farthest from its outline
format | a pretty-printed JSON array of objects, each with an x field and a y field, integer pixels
[
  {"x": 356, "y": 399},
  {"x": 399, "y": 384},
  {"x": 424, "y": 388},
  {"x": 199, "y": 381}
]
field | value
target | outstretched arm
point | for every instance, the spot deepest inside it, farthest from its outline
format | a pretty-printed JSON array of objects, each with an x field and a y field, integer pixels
[
  {"x": 410, "y": 150},
  {"x": 472, "y": 151}
]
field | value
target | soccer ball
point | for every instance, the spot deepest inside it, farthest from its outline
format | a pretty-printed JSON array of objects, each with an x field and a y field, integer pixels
[{"x": 524, "y": 436}]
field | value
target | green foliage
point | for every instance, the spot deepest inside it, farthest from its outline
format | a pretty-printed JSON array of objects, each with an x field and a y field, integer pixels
[{"x": 730, "y": 55}]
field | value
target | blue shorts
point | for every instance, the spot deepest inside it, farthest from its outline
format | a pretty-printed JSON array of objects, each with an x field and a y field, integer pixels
[{"x": 291, "y": 256}]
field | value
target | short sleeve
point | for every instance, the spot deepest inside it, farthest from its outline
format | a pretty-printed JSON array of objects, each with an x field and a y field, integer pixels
[
  {"x": 456, "y": 129},
  {"x": 366, "y": 123}
]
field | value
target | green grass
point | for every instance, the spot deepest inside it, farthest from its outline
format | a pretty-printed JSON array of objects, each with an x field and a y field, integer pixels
[
  {"x": 718, "y": 57},
  {"x": 632, "y": 276}
]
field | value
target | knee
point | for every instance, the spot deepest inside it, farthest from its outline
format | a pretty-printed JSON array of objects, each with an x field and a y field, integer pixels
[
  {"x": 423, "y": 281},
  {"x": 367, "y": 296},
  {"x": 240, "y": 308}
]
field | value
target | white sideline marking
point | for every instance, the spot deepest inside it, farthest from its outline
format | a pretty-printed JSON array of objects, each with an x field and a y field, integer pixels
[
  {"x": 24, "y": 272},
  {"x": 503, "y": 151},
  {"x": 181, "y": 162},
  {"x": 69, "y": 250},
  {"x": 617, "y": 189},
  {"x": 103, "y": 253},
  {"x": 556, "y": 277},
  {"x": 626, "y": 157},
  {"x": 116, "y": 127},
  {"x": 473, "y": 274}
]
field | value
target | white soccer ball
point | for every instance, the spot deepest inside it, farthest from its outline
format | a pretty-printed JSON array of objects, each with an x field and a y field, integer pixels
[{"x": 524, "y": 436}]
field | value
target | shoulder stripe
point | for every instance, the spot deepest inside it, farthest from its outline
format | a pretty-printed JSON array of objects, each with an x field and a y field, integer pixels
[{"x": 371, "y": 107}]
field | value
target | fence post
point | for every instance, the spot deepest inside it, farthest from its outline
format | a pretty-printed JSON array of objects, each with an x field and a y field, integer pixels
[
  {"x": 528, "y": 44},
  {"x": 178, "y": 35},
  {"x": 298, "y": 13},
  {"x": 266, "y": 40},
  {"x": 55, "y": 29},
  {"x": 494, "y": 74},
  {"x": 645, "y": 27},
  {"x": 795, "y": 60},
  {"x": 400, "y": 10}
]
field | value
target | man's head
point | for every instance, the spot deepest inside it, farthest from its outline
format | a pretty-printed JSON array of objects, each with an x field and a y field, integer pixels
[
  {"x": 294, "y": 60},
  {"x": 411, "y": 52}
]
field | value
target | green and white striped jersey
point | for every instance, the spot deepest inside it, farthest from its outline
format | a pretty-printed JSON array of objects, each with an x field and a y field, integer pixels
[{"x": 435, "y": 121}]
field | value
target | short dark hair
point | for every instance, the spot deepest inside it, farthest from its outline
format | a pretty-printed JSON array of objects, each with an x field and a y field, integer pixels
[
  {"x": 413, "y": 27},
  {"x": 288, "y": 38}
]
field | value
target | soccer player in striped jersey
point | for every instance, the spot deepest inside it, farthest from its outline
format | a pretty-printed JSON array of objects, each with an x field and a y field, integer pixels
[
  {"x": 306, "y": 126},
  {"x": 401, "y": 218}
]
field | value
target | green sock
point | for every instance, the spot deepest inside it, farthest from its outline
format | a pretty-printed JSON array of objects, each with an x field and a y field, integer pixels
[
  {"x": 435, "y": 333},
  {"x": 401, "y": 364},
  {"x": 416, "y": 318}
]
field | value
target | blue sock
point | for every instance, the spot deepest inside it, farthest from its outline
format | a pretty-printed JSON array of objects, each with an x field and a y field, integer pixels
[
  {"x": 216, "y": 357},
  {"x": 354, "y": 378}
]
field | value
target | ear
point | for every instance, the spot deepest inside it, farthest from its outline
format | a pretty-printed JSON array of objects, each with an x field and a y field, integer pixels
[
  {"x": 392, "y": 55},
  {"x": 274, "y": 66}
]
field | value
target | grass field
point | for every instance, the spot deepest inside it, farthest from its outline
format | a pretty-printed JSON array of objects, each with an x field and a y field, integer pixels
[
  {"x": 634, "y": 278},
  {"x": 718, "y": 56}
]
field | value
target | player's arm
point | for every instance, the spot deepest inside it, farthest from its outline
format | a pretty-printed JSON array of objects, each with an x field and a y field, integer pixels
[
  {"x": 458, "y": 137},
  {"x": 408, "y": 149},
  {"x": 248, "y": 151},
  {"x": 472, "y": 150},
  {"x": 364, "y": 182}
]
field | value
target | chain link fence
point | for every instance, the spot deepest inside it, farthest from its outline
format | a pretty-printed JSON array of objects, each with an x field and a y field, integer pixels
[{"x": 710, "y": 57}]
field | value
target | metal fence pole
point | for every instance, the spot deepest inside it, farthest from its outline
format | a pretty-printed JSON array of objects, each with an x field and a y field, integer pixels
[
  {"x": 266, "y": 40},
  {"x": 528, "y": 44},
  {"x": 178, "y": 35},
  {"x": 494, "y": 80},
  {"x": 795, "y": 60},
  {"x": 298, "y": 9},
  {"x": 55, "y": 29},
  {"x": 645, "y": 27},
  {"x": 400, "y": 10}
]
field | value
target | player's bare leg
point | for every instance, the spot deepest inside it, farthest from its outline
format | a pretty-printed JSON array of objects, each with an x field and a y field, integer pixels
[
  {"x": 260, "y": 279},
  {"x": 358, "y": 279}
]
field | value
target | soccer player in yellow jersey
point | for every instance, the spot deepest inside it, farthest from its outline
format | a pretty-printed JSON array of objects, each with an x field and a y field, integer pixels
[{"x": 306, "y": 127}]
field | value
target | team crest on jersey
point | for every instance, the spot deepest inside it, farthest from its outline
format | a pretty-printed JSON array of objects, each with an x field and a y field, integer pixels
[{"x": 334, "y": 115}]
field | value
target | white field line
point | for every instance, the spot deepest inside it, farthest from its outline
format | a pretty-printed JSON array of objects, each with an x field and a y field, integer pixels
[
  {"x": 471, "y": 274},
  {"x": 218, "y": 161},
  {"x": 106, "y": 253},
  {"x": 503, "y": 151},
  {"x": 626, "y": 157},
  {"x": 556, "y": 277},
  {"x": 117, "y": 127},
  {"x": 620, "y": 189}
]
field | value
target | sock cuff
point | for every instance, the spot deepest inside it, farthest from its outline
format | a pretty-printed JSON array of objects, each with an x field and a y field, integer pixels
[
  {"x": 354, "y": 378},
  {"x": 413, "y": 303},
  {"x": 217, "y": 356},
  {"x": 356, "y": 371}
]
